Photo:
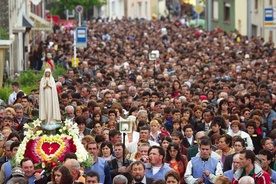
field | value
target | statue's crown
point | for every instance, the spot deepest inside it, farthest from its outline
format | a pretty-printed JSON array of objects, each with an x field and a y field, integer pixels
[{"x": 47, "y": 65}]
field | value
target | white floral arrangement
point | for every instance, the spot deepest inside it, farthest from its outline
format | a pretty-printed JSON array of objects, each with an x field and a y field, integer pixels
[{"x": 45, "y": 149}]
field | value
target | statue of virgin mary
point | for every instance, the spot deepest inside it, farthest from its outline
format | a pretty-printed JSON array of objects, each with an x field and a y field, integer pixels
[{"x": 48, "y": 99}]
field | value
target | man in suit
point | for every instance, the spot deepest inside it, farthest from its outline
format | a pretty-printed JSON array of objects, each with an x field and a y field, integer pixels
[
  {"x": 19, "y": 118},
  {"x": 138, "y": 172}
]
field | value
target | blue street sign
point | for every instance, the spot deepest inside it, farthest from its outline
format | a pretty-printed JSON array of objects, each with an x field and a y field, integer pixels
[
  {"x": 81, "y": 37},
  {"x": 79, "y": 9},
  {"x": 268, "y": 14}
]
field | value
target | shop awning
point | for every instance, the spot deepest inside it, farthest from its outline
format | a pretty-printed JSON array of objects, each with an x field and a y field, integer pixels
[{"x": 40, "y": 23}]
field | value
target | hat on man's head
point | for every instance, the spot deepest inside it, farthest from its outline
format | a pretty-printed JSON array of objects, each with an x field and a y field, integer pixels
[{"x": 17, "y": 171}]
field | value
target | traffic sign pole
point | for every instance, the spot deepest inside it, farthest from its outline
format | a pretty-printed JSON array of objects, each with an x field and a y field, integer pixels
[
  {"x": 75, "y": 49},
  {"x": 79, "y": 10},
  {"x": 79, "y": 19},
  {"x": 197, "y": 18},
  {"x": 198, "y": 9}
]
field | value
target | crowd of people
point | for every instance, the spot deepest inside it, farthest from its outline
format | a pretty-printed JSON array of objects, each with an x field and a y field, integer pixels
[{"x": 202, "y": 110}]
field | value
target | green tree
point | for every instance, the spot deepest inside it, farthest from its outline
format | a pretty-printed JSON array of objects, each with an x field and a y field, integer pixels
[
  {"x": 4, "y": 34},
  {"x": 59, "y": 7},
  {"x": 71, "y": 4}
]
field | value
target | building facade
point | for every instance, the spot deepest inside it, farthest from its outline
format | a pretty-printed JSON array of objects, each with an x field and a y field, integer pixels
[
  {"x": 158, "y": 8},
  {"x": 223, "y": 14},
  {"x": 139, "y": 9},
  {"x": 19, "y": 27},
  {"x": 241, "y": 16},
  {"x": 257, "y": 19},
  {"x": 233, "y": 15},
  {"x": 116, "y": 9}
]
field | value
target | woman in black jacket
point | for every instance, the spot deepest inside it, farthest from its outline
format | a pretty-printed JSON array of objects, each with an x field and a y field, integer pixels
[{"x": 256, "y": 138}]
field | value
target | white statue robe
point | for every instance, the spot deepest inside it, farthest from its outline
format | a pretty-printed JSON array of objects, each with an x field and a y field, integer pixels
[{"x": 48, "y": 99}]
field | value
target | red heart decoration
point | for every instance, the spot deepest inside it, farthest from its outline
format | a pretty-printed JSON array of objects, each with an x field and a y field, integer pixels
[
  {"x": 43, "y": 149},
  {"x": 50, "y": 148}
]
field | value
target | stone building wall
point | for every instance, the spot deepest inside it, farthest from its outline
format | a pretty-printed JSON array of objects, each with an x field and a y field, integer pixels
[{"x": 4, "y": 14}]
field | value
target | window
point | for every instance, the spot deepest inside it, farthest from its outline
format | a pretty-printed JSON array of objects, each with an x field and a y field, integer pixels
[
  {"x": 113, "y": 7},
  {"x": 146, "y": 9},
  {"x": 270, "y": 35},
  {"x": 133, "y": 10},
  {"x": 139, "y": 9},
  {"x": 270, "y": 2},
  {"x": 256, "y": 4},
  {"x": 261, "y": 31},
  {"x": 254, "y": 29},
  {"x": 215, "y": 10},
  {"x": 227, "y": 8}
]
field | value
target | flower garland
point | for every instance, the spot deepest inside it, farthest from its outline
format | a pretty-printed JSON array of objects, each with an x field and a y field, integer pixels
[{"x": 43, "y": 149}]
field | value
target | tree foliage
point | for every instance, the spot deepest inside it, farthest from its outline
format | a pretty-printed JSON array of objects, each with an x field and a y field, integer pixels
[
  {"x": 4, "y": 34},
  {"x": 71, "y": 4},
  {"x": 59, "y": 7}
]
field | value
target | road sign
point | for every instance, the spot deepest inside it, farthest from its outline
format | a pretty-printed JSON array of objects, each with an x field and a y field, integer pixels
[
  {"x": 269, "y": 18},
  {"x": 75, "y": 62},
  {"x": 81, "y": 37},
  {"x": 198, "y": 9},
  {"x": 268, "y": 14},
  {"x": 79, "y": 9}
]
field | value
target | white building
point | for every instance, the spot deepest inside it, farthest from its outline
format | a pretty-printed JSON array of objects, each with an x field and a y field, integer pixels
[
  {"x": 139, "y": 9},
  {"x": 257, "y": 19},
  {"x": 19, "y": 27},
  {"x": 112, "y": 9}
]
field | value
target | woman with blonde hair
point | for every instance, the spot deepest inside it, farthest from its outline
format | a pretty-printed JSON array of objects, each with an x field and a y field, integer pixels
[
  {"x": 86, "y": 139},
  {"x": 236, "y": 131},
  {"x": 155, "y": 131},
  {"x": 10, "y": 112},
  {"x": 222, "y": 180}
]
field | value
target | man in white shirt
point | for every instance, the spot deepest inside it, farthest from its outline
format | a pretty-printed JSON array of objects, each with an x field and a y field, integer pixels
[
  {"x": 15, "y": 88},
  {"x": 144, "y": 133}
]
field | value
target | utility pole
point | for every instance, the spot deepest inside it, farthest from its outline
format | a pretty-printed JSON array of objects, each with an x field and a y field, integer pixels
[{"x": 209, "y": 15}]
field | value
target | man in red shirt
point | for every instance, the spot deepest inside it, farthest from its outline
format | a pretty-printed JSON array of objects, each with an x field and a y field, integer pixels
[{"x": 250, "y": 168}]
